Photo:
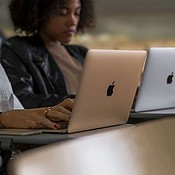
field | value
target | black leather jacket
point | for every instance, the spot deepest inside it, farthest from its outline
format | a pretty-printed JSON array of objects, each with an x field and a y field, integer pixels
[{"x": 36, "y": 78}]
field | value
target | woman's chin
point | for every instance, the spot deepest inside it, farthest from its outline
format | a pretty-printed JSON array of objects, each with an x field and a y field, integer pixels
[{"x": 66, "y": 41}]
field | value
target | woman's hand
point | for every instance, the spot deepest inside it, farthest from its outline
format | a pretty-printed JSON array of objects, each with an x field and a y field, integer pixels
[
  {"x": 60, "y": 112},
  {"x": 39, "y": 117}
]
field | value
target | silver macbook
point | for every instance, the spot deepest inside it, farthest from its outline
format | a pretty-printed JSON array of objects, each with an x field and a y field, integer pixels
[
  {"x": 107, "y": 89},
  {"x": 157, "y": 89}
]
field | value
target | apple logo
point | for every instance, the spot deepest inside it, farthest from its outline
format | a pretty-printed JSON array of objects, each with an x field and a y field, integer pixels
[
  {"x": 110, "y": 89},
  {"x": 170, "y": 78}
]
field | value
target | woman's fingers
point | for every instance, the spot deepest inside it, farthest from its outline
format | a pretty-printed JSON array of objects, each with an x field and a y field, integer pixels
[
  {"x": 62, "y": 114},
  {"x": 67, "y": 103},
  {"x": 41, "y": 123},
  {"x": 37, "y": 118},
  {"x": 57, "y": 113},
  {"x": 60, "y": 109}
]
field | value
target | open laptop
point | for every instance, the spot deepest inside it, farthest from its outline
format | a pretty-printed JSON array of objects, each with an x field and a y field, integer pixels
[
  {"x": 156, "y": 94},
  {"x": 107, "y": 89}
]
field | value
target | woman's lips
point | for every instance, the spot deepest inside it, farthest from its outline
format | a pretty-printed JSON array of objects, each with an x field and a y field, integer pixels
[{"x": 70, "y": 32}]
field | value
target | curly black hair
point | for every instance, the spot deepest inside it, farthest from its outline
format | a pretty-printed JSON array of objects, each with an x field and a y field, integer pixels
[{"x": 28, "y": 15}]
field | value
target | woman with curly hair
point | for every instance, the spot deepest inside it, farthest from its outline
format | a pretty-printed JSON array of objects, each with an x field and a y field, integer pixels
[{"x": 41, "y": 65}]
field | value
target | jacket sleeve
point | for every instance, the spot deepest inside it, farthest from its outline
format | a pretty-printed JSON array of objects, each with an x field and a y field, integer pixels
[{"x": 22, "y": 81}]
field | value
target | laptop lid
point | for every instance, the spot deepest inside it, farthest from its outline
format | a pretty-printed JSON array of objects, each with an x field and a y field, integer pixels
[
  {"x": 107, "y": 89},
  {"x": 157, "y": 89}
]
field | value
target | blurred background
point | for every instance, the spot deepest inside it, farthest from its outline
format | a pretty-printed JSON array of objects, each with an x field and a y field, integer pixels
[{"x": 121, "y": 24}]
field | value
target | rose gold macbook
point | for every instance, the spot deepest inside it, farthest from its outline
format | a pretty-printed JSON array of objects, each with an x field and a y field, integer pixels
[{"x": 107, "y": 89}]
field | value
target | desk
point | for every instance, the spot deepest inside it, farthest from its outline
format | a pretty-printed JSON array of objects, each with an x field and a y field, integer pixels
[
  {"x": 138, "y": 117},
  {"x": 147, "y": 149},
  {"x": 9, "y": 143},
  {"x": 43, "y": 139}
]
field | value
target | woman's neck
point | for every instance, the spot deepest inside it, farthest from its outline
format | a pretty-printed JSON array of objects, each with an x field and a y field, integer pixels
[{"x": 48, "y": 41}]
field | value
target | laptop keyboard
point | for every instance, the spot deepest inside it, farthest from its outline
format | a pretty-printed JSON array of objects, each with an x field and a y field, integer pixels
[{"x": 63, "y": 124}]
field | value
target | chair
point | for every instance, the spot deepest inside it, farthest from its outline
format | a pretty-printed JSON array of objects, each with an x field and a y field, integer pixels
[{"x": 147, "y": 149}]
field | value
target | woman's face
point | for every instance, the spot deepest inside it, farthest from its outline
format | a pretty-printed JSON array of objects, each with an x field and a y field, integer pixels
[{"x": 62, "y": 27}]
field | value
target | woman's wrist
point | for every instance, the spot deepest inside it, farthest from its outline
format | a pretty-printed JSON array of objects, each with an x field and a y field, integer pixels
[{"x": 1, "y": 125}]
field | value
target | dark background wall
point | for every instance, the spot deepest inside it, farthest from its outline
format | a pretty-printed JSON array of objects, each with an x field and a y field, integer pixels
[{"x": 122, "y": 24}]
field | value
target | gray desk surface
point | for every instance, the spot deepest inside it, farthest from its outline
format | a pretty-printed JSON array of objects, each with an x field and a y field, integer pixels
[
  {"x": 154, "y": 114},
  {"x": 139, "y": 117},
  {"x": 147, "y": 149},
  {"x": 44, "y": 139}
]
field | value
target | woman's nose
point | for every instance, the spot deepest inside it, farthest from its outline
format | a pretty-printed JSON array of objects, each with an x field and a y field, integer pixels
[{"x": 72, "y": 20}]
